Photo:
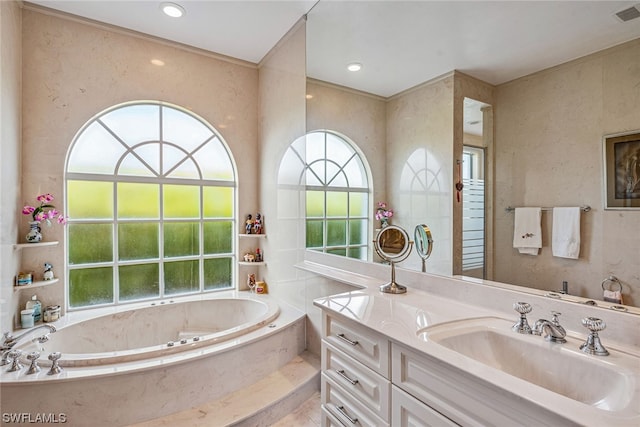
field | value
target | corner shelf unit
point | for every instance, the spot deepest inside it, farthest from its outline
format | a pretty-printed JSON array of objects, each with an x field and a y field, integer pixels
[
  {"x": 35, "y": 283},
  {"x": 20, "y": 246},
  {"x": 240, "y": 256},
  {"x": 249, "y": 266}
]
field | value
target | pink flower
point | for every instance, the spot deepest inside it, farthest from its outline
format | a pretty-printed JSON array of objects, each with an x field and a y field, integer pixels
[
  {"x": 382, "y": 213},
  {"x": 45, "y": 211},
  {"x": 45, "y": 198}
]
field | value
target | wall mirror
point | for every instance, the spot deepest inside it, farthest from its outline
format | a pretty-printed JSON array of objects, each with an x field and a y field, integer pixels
[
  {"x": 393, "y": 245},
  {"x": 414, "y": 159}
]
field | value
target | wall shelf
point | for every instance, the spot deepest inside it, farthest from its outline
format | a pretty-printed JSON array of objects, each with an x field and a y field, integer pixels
[
  {"x": 253, "y": 235},
  {"x": 37, "y": 283},
  {"x": 252, "y": 263},
  {"x": 20, "y": 246}
]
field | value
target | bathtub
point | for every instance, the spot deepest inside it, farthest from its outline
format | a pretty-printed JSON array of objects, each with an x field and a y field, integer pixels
[
  {"x": 152, "y": 360},
  {"x": 157, "y": 329}
]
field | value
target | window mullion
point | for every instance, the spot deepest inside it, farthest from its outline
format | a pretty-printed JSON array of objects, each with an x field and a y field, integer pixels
[
  {"x": 161, "y": 245},
  {"x": 114, "y": 239}
]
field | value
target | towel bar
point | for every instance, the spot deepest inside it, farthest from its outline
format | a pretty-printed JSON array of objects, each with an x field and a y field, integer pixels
[{"x": 585, "y": 208}]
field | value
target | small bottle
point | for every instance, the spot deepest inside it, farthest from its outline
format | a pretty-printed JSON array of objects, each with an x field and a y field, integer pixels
[
  {"x": 36, "y": 306},
  {"x": 565, "y": 287},
  {"x": 258, "y": 255},
  {"x": 26, "y": 318}
]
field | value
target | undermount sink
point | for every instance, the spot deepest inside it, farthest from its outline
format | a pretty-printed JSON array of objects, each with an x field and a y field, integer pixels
[{"x": 608, "y": 383}]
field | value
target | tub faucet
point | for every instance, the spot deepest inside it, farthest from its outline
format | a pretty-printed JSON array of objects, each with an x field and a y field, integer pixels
[
  {"x": 9, "y": 341},
  {"x": 554, "y": 332}
]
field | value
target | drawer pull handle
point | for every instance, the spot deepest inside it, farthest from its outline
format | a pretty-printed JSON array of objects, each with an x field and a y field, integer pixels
[
  {"x": 343, "y": 375},
  {"x": 343, "y": 412},
  {"x": 342, "y": 337}
]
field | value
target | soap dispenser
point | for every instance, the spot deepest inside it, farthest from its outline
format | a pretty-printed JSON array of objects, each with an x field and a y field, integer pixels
[{"x": 37, "y": 308}]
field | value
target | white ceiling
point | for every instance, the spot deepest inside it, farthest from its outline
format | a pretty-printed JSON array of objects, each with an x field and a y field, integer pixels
[{"x": 400, "y": 43}]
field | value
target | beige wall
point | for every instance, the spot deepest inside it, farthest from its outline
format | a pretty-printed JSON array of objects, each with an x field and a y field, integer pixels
[
  {"x": 549, "y": 129},
  {"x": 73, "y": 70},
  {"x": 10, "y": 145},
  {"x": 282, "y": 118},
  {"x": 420, "y": 152}
]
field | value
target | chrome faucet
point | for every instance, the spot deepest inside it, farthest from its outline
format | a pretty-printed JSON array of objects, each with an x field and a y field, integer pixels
[
  {"x": 553, "y": 331},
  {"x": 9, "y": 341}
]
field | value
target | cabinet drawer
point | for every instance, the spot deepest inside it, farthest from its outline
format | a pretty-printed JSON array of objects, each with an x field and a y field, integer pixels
[
  {"x": 369, "y": 387},
  {"x": 409, "y": 411},
  {"x": 346, "y": 408},
  {"x": 361, "y": 343},
  {"x": 327, "y": 419}
]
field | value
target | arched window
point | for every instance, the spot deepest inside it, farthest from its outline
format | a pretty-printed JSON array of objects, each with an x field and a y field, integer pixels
[
  {"x": 150, "y": 193},
  {"x": 336, "y": 184}
]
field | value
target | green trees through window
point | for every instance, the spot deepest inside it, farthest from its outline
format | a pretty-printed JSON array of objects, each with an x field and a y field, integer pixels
[{"x": 150, "y": 199}]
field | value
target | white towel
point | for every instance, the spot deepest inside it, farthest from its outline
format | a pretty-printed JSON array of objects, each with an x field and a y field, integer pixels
[
  {"x": 527, "y": 233},
  {"x": 565, "y": 242}
]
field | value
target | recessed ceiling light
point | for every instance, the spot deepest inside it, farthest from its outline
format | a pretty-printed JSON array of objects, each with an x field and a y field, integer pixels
[
  {"x": 171, "y": 9},
  {"x": 355, "y": 66},
  {"x": 158, "y": 62}
]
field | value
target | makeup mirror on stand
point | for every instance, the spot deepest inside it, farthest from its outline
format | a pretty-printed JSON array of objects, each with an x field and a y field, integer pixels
[
  {"x": 423, "y": 243},
  {"x": 392, "y": 244}
]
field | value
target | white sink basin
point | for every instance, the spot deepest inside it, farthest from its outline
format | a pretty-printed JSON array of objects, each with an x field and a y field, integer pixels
[{"x": 608, "y": 383}]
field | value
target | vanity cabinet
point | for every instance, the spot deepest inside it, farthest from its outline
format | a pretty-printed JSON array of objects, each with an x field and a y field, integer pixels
[
  {"x": 356, "y": 384},
  {"x": 369, "y": 379},
  {"x": 355, "y": 374}
]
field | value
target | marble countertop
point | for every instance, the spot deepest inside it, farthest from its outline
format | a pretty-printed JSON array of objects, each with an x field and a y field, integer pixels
[{"x": 400, "y": 317}]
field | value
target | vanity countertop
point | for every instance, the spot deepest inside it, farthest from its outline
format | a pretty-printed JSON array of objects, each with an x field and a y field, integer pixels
[{"x": 400, "y": 317}]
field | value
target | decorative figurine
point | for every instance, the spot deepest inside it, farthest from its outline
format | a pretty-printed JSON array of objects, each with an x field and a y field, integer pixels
[
  {"x": 48, "y": 272},
  {"x": 251, "y": 282},
  {"x": 249, "y": 257},
  {"x": 257, "y": 224},
  {"x": 248, "y": 224},
  {"x": 258, "y": 255}
]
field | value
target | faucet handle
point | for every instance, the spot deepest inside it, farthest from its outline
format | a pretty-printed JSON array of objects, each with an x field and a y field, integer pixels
[
  {"x": 594, "y": 324},
  {"x": 14, "y": 355},
  {"x": 593, "y": 344},
  {"x": 55, "y": 368},
  {"x": 33, "y": 357},
  {"x": 522, "y": 307},
  {"x": 522, "y": 326},
  {"x": 555, "y": 318}
]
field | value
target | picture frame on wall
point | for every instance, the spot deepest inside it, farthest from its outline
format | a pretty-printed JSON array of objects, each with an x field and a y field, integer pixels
[{"x": 621, "y": 155}]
